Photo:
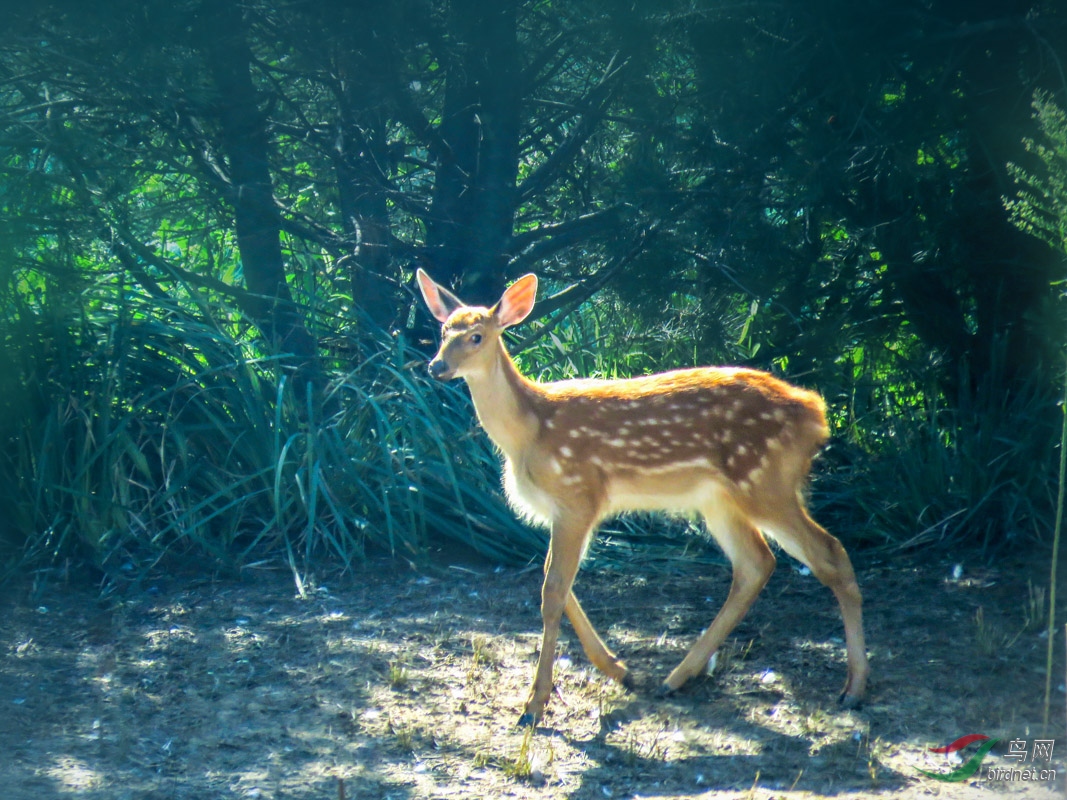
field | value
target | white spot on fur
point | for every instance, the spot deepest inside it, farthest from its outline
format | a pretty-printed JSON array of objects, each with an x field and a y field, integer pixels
[
  {"x": 617, "y": 442},
  {"x": 566, "y": 452},
  {"x": 556, "y": 466},
  {"x": 675, "y": 465}
]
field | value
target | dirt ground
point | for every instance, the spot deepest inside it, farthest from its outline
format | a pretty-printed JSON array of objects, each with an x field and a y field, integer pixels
[{"x": 389, "y": 682}]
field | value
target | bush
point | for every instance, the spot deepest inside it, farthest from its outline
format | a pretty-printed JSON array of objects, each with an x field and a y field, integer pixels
[
  {"x": 137, "y": 431},
  {"x": 147, "y": 432},
  {"x": 978, "y": 475}
]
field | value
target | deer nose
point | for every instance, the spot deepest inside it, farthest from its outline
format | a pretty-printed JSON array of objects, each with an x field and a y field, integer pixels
[{"x": 437, "y": 368}]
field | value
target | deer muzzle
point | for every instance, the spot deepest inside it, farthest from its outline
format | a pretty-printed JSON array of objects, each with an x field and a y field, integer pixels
[{"x": 439, "y": 370}]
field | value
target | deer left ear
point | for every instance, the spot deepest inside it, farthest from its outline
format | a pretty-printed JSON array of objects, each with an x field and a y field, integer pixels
[
  {"x": 517, "y": 302},
  {"x": 439, "y": 300}
]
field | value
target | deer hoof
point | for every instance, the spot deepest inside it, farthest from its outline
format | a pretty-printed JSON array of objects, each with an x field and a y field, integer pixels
[
  {"x": 849, "y": 701},
  {"x": 527, "y": 720},
  {"x": 629, "y": 682},
  {"x": 664, "y": 691}
]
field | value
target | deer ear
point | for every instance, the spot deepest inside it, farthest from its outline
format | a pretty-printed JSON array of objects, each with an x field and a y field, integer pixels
[
  {"x": 517, "y": 302},
  {"x": 439, "y": 300}
]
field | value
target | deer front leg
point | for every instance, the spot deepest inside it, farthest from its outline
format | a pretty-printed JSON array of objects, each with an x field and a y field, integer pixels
[{"x": 564, "y": 555}]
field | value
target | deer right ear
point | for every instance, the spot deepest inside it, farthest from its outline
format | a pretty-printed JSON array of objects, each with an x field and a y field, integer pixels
[
  {"x": 517, "y": 302},
  {"x": 439, "y": 300}
]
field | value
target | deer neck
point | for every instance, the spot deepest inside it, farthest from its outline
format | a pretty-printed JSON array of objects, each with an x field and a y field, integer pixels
[{"x": 504, "y": 401}]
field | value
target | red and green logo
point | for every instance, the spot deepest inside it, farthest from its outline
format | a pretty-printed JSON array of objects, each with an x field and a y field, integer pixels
[{"x": 968, "y": 768}]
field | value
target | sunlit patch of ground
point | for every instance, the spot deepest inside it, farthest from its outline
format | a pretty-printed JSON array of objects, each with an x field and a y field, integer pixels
[{"x": 389, "y": 683}]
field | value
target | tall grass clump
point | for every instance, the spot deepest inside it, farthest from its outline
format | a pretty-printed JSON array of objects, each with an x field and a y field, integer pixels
[
  {"x": 977, "y": 474},
  {"x": 136, "y": 430},
  {"x": 419, "y": 464}
]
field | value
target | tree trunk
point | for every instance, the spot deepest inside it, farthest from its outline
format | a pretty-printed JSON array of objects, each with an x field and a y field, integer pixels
[
  {"x": 256, "y": 217},
  {"x": 473, "y": 205},
  {"x": 366, "y": 218}
]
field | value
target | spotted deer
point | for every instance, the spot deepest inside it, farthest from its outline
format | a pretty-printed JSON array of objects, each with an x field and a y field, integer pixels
[{"x": 734, "y": 444}]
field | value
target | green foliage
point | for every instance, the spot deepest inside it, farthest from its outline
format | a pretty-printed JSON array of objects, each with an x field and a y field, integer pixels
[
  {"x": 1040, "y": 209},
  {"x": 1040, "y": 205},
  {"x": 158, "y": 435},
  {"x": 809, "y": 188},
  {"x": 978, "y": 474}
]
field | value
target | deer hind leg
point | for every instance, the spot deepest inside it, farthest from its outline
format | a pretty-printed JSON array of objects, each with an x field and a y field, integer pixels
[
  {"x": 752, "y": 561},
  {"x": 808, "y": 542},
  {"x": 595, "y": 650},
  {"x": 564, "y": 555}
]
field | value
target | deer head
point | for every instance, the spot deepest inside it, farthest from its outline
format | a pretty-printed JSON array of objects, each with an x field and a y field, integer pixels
[{"x": 470, "y": 335}]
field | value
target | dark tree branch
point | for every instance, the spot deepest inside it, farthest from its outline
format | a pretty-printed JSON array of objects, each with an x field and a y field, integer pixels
[
  {"x": 532, "y": 246},
  {"x": 573, "y": 296},
  {"x": 593, "y": 104}
]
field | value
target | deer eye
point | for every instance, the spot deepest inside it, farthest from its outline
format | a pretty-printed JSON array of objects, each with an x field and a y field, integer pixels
[{"x": 476, "y": 338}]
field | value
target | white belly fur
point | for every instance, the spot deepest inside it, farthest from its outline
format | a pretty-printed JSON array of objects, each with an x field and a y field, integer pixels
[
  {"x": 672, "y": 490},
  {"x": 682, "y": 496}
]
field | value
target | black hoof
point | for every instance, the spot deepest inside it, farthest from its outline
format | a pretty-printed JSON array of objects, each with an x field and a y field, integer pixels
[
  {"x": 849, "y": 701},
  {"x": 664, "y": 691},
  {"x": 527, "y": 720},
  {"x": 629, "y": 682}
]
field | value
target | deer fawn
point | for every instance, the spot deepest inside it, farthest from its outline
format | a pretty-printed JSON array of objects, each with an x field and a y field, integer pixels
[{"x": 734, "y": 444}]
